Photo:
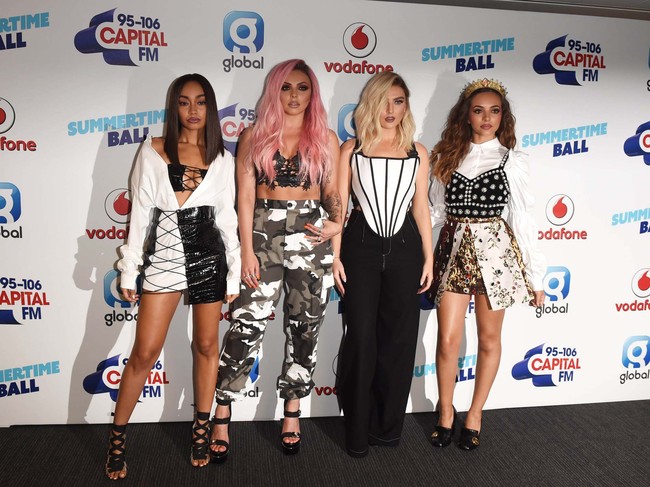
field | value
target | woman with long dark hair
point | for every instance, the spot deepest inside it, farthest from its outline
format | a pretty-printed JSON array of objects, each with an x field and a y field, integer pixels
[
  {"x": 383, "y": 261},
  {"x": 289, "y": 208},
  {"x": 183, "y": 190},
  {"x": 477, "y": 179}
]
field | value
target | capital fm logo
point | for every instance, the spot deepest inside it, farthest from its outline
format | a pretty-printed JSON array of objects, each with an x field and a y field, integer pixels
[
  {"x": 7, "y": 120},
  {"x": 345, "y": 126},
  {"x": 117, "y": 206},
  {"x": 636, "y": 356},
  {"x": 243, "y": 36},
  {"x": 114, "y": 300},
  {"x": 23, "y": 297},
  {"x": 559, "y": 211},
  {"x": 359, "y": 41},
  {"x": 641, "y": 289},
  {"x": 123, "y": 38},
  {"x": 639, "y": 143},
  {"x": 107, "y": 378},
  {"x": 572, "y": 61},
  {"x": 548, "y": 365},
  {"x": 556, "y": 283},
  {"x": 233, "y": 122}
]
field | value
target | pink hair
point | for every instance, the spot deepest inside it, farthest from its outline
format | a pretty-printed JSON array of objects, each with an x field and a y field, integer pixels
[{"x": 267, "y": 132}]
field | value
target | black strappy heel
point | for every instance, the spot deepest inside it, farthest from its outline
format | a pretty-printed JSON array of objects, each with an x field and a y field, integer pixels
[
  {"x": 200, "y": 438},
  {"x": 116, "y": 455},
  {"x": 217, "y": 456},
  {"x": 290, "y": 448}
]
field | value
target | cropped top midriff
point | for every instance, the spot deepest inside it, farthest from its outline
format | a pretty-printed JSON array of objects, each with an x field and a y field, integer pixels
[
  {"x": 287, "y": 173},
  {"x": 185, "y": 178}
]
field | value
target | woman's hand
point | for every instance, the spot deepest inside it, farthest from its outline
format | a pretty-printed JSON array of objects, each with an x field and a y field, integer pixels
[
  {"x": 250, "y": 269},
  {"x": 322, "y": 234},
  {"x": 538, "y": 300},
  {"x": 339, "y": 275},
  {"x": 130, "y": 295},
  {"x": 427, "y": 276}
]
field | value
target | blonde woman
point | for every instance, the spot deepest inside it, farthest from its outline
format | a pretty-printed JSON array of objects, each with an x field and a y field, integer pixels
[{"x": 383, "y": 260}]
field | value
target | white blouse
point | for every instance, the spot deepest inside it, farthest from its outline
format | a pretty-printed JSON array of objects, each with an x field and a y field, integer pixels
[
  {"x": 518, "y": 211},
  {"x": 151, "y": 188}
]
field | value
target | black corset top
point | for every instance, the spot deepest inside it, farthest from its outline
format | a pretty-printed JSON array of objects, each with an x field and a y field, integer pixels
[
  {"x": 483, "y": 196},
  {"x": 185, "y": 178},
  {"x": 287, "y": 173}
]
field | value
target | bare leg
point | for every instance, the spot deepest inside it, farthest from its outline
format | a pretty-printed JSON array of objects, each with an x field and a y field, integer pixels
[
  {"x": 291, "y": 424},
  {"x": 451, "y": 323},
  {"x": 154, "y": 316},
  {"x": 489, "y": 323},
  {"x": 205, "y": 349}
]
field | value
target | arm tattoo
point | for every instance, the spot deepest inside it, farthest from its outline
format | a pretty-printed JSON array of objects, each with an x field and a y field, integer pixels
[{"x": 332, "y": 205}]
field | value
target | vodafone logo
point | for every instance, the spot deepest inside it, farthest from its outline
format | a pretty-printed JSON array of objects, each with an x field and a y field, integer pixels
[
  {"x": 7, "y": 116},
  {"x": 359, "y": 39},
  {"x": 117, "y": 205},
  {"x": 559, "y": 209},
  {"x": 641, "y": 283}
]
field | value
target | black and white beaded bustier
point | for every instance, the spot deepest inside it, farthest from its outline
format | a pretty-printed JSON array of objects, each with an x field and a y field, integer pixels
[{"x": 483, "y": 196}]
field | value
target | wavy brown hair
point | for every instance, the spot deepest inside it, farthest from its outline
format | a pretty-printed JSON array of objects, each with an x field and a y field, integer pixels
[{"x": 453, "y": 146}]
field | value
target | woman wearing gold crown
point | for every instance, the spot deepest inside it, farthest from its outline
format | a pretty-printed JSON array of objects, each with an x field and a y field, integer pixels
[{"x": 478, "y": 179}]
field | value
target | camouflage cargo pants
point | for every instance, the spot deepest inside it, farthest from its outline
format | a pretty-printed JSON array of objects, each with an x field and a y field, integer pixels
[{"x": 289, "y": 262}]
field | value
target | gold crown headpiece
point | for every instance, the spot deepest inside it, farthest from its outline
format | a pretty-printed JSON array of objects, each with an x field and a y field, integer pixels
[{"x": 484, "y": 83}]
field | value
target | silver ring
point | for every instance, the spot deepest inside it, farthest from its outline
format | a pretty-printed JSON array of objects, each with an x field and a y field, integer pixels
[{"x": 318, "y": 239}]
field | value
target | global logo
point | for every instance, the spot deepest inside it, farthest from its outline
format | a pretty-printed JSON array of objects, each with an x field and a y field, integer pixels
[
  {"x": 639, "y": 144},
  {"x": 10, "y": 207},
  {"x": 557, "y": 282},
  {"x": 113, "y": 299},
  {"x": 117, "y": 205},
  {"x": 345, "y": 127},
  {"x": 566, "y": 57},
  {"x": 243, "y": 34},
  {"x": 641, "y": 283},
  {"x": 359, "y": 39},
  {"x": 122, "y": 38},
  {"x": 7, "y": 116},
  {"x": 636, "y": 352},
  {"x": 559, "y": 209}
]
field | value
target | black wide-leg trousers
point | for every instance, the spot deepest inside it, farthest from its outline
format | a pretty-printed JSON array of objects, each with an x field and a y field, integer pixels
[{"x": 382, "y": 317}]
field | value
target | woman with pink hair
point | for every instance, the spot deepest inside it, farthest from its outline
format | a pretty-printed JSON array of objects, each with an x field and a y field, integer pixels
[{"x": 289, "y": 208}]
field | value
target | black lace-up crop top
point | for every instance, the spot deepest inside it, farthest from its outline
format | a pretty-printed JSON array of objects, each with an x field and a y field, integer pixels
[
  {"x": 185, "y": 178},
  {"x": 286, "y": 173}
]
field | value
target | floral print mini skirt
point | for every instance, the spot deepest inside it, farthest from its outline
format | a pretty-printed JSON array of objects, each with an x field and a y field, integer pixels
[{"x": 480, "y": 256}]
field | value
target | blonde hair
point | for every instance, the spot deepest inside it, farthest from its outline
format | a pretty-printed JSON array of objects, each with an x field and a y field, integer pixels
[{"x": 371, "y": 105}]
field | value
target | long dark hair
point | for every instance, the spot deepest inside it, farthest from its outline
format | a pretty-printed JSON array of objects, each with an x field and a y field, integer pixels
[
  {"x": 453, "y": 146},
  {"x": 213, "y": 139}
]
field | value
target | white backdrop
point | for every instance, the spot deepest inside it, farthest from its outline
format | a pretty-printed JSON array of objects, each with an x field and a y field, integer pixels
[{"x": 83, "y": 82}]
